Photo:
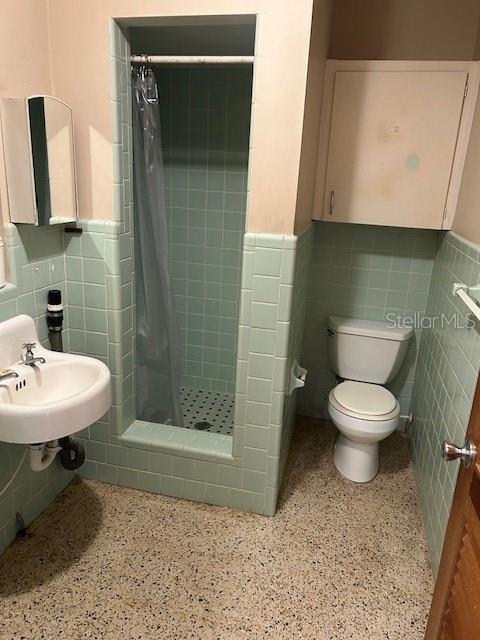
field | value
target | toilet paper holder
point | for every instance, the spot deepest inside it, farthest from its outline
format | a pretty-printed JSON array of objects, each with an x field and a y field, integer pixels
[{"x": 298, "y": 375}]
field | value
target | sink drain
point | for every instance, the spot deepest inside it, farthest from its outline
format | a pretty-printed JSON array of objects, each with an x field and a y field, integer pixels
[{"x": 202, "y": 425}]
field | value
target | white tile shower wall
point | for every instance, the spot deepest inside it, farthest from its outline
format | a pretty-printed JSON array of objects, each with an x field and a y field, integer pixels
[
  {"x": 363, "y": 272},
  {"x": 36, "y": 261},
  {"x": 445, "y": 381}
]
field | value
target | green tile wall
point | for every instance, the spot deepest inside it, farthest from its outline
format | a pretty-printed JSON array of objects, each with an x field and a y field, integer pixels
[
  {"x": 360, "y": 271},
  {"x": 243, "y": 472},
  {"x": 264, "y": 356},
  {"x": 36, "y": 261},
  {"x": 205, "y": 116},
  {"x": 445, "y": 380},
  {"x": 298, "y": 305},
  {"x": 119, "y": 246},
  {"x": 95, "y": 271},
  {"x": 363, "y": 272},
  {"x": 94, "y": 295}
]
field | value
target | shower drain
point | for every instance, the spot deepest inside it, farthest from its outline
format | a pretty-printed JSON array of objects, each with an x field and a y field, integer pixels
[
  {"x": 202, "y": 425},
  {"x": 210, "y": 411}
]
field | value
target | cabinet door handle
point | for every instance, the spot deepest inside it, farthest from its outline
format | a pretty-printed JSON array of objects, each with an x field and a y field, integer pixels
[{"x": 332, "y": 202}]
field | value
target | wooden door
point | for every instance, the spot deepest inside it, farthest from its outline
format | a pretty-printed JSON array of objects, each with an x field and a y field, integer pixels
[
  {"x": 392, "y": 143},
  {"x": 455, "y": 612}
]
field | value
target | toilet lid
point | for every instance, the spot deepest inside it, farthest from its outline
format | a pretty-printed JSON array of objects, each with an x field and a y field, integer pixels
[{"x": 364, "y": 398}]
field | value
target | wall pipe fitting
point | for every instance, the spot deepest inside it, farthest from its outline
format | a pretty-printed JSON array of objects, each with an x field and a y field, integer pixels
[
  {"x": 55, "y": 319},
  {"x": 42, "y": 455}
]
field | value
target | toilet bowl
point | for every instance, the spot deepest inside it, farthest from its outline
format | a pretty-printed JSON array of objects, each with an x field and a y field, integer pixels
[
  {"x": 364, "y": 414},
  {"x": 364, "y": 354}
]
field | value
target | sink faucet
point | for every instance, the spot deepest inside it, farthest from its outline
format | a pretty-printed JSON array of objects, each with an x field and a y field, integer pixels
[{"x": 30, "y": 359}]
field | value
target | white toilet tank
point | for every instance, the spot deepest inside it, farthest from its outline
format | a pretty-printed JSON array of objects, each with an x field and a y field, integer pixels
[{"x": 365, "y": 350}]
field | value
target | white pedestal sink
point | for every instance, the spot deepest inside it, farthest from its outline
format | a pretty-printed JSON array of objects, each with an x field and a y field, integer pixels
[{"x": 50, "y": 400}]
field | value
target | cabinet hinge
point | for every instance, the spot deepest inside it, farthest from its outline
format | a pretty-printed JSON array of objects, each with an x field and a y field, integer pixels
[
  {"x": 444, "y": 214},
  {"x": 465, "y": 93}
]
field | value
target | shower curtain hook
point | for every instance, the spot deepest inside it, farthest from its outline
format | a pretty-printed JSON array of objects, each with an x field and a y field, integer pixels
[{"x": 143, "y": 61}]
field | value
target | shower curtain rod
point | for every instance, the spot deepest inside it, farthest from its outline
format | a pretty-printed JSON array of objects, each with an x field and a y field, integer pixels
[{"x": 144, "y": 59}]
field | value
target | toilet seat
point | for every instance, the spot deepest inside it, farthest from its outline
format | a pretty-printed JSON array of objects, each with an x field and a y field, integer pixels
[
  {"x": 364, "y": 401},
  {"x": 356, "y": 448}
]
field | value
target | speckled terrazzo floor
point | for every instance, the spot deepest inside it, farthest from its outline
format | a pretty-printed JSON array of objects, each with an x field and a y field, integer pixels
[{"x": 338, "y": 561}]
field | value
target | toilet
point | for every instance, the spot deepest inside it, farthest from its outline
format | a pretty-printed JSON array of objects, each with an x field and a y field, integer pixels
[{"x": 365, "y": 355}]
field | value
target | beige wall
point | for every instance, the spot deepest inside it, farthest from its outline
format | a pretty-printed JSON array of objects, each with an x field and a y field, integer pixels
[
  {"x": 467, "y": 217},
  {"x": 24, "y": 55},
  {"x": 404, "y": 29},
  {"x": 79, "y": 38},
  {"x": 24, "y": 67},
  {"x": 282, "y": 179},
  {"x": 311, "y": 122}
]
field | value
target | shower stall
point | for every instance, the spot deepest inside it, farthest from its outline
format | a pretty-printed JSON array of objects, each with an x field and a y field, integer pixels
[{"x": 191, "y": 129}]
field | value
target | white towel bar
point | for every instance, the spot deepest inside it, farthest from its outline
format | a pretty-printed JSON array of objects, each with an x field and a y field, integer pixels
[{"x": 468, "y": 295}]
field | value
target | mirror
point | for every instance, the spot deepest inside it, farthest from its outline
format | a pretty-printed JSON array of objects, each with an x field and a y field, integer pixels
[{"x": 39, "y": 160}]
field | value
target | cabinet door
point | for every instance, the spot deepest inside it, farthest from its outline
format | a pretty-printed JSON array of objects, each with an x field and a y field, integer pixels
[
  {"x": 391, "y": 147},
  {"x": 61, "y": 160},
  {"x": 39, "y": 159},
  {"x": 51, "y": 134},
  {"x": 18, "y": 161}
]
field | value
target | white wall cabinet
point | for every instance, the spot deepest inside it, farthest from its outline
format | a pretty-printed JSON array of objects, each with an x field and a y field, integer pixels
[{"x": 393, "y": 141}]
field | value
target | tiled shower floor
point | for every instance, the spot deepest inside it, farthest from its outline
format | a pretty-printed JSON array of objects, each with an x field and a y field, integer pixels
[{"x": 213, "y": 407}]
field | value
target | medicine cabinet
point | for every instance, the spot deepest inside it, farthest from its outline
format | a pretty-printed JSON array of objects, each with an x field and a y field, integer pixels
[{"x": 39, "y": 160}]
